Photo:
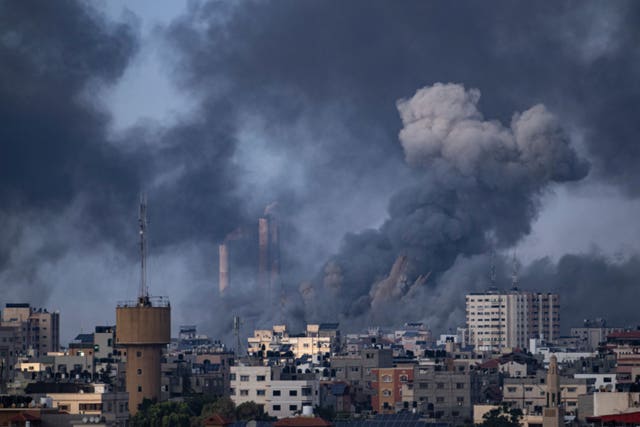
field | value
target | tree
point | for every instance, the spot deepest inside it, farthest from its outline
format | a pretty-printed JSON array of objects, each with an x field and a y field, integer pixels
[
  {"x": 163, "y": 414},
  {"x": 248, "y": 411},
  {"x": 224, "y": 406},
  {"x": 502, "y": 416}
]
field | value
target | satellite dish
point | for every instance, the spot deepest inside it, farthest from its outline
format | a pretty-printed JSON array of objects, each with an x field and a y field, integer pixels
[{"x": 85, "y": 419}]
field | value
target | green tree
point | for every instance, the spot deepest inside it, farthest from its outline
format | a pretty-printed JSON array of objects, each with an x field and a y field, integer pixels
[
  {"x": 502, "y": 416},
  {"x": 174, "y": 414},
  {"x": 248, "y": 411},
  {"x": 223, "y": 406}
]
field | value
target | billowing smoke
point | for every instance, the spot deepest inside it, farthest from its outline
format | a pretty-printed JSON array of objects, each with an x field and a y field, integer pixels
[
  {"x": 294, "y": 102},
  {"x": 478, "y": 186}
]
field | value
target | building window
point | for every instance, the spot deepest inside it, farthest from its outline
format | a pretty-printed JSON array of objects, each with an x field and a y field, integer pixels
[
  {"x": 293, "y": 407},
  {"x": 138, "y": 354},
  {"x": 139, "y": 389},
  {"x": 404, "y": 378},
  {"x": 440, "y": 385},
  {"x": 386, "y": 378},
  {"x": 276, "y": 407},
  {"x": 440, "y": 399},
  {"x": 511, "y": 389},
  {"x": 244, "y": 378},
  {"x": 293, "y": 392},
  {"x": 260, "y": 392},
  {"x": 261, "y": 378},
  {"x": 386, "y": 392},
  {"x": 232, "y": 391},
  {"x": 232, "y": 377},
  {"x": 460, "y": 399},
  {"x": 139, "y": 371},
  {"x": 306, "y": 391},
  {"x": 459, "y": 386},
  {"x": 423, "y": 386},
  {"x": 90, "y": 407},
  {"x": 244, "y": 392},
  {"x": 276, "y": 392}
]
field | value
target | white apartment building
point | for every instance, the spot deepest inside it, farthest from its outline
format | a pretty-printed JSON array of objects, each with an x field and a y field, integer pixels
[
  {"x": 279, "y": 398},
  {"x": 498, "y": 320},
  {"x": 316, "y": 341}
]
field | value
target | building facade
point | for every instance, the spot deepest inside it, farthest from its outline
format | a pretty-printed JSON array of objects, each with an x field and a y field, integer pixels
[
  {"x": 278, "y": 398},
  {"x": 498, "y": 320},
  {"x": 37, "y": 330}
]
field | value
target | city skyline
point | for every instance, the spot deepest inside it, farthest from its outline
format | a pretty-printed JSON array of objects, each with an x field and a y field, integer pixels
[{"x": 404, "y": 149}]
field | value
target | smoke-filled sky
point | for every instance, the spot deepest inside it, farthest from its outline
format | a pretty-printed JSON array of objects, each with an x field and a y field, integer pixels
[{"x": 402, "y": 143}]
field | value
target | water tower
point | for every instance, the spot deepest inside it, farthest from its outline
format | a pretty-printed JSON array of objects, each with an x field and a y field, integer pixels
[{"x": 143, "y": 330}]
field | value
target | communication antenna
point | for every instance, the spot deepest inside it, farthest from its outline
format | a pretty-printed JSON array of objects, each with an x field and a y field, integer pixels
[
  {"x": 236, "y": 332},
  {"x": 143, "y": 293}
]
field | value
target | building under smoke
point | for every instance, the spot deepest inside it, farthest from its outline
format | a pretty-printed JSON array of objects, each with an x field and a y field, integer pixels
[
  {"x": 240, "y": 259},
  {"x": 268, "y": 251}
]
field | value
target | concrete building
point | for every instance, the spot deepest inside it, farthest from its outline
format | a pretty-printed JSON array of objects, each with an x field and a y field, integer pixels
[
  {"x": 499, "y": 320},
  {"x": 95, "y": 400},
  {"x": 592, "y": 334},
  {"x": 37, "y": 330},
  {"x": 530, "y": 393},
  {"x": 9, "y": 350},
  {"x": 443, "y": 394},
  {"x": 317, "y": 340},
  {"x": 279, "y": 398},
  {"x": 387, "y": 385},
  {"x": 143, "y": 330}
]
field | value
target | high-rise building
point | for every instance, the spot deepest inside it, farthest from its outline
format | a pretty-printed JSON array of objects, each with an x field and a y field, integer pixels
[
  {"x": 498, "y": 320},
  {"x": 37, "y": 330}
]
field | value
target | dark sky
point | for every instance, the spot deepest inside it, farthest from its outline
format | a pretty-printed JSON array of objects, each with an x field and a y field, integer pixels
[{"x": 435, "y": 131}]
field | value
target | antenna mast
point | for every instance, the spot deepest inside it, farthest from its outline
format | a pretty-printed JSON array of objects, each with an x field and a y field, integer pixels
[{"x": 143, "y": 294}]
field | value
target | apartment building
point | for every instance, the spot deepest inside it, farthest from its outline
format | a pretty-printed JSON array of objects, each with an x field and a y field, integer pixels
[
  {"x": 592, "y": 333},
  {"x": 500, "y": 320},
  {"x": 440, "y": 393},
  {"x": 279, "y": 398},
  {"x": 387, "y": 385},
  {"x": 37, "y": 330},
  {"x": 530, "y": 393},
  {"x": 9, "y": 350},
  {"x": 316, "y": 341},
  {"x": 97, "y": 400}
]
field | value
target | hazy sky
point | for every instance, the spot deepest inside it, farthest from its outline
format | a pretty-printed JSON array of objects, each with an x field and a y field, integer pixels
[{"x": 440, "y": 132}]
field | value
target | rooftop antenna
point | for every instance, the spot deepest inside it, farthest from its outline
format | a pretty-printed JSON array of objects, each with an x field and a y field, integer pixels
[{"x": 143, "y": 293}]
